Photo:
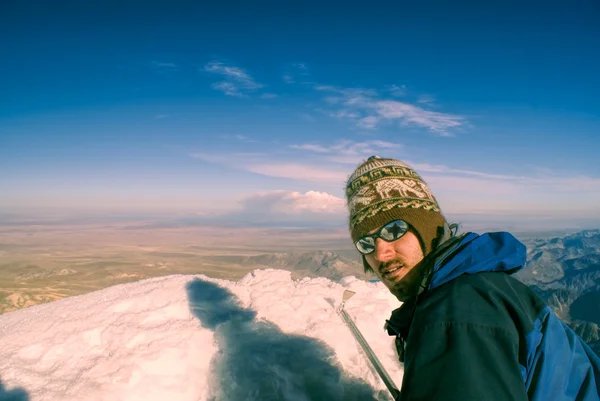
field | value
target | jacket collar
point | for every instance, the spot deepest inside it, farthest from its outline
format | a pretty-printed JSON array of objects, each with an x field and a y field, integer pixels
[{"x": 468, "y": 253}]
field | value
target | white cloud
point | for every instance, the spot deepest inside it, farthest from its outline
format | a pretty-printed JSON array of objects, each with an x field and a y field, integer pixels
[
  {"x": 431, "y": 168},
  {"x": 238, "y": 137},
  {"x": 311, "y": 147},
  {"x": 457, "y": 190},
  {"x": 301, "y": 67},
  {"x": 228, "y": 88},
  {"x": 386, "y": 145},
  {"x": 234, "y": 159},
  {"x": 543, "y": 178},
  {"x": 350, "y": 96},
  {"x": 298, "y": 171},
  {"x": 410, "y": 114},
  {"x": 250, "y": 154},
  {"x": 367, "y": 109},
  {"x": 467, "y": 191},
  {"x": 341, "y": 114},
  {"x": 164, "y": 68},
  {"x": 228, "y": 71},
  {"x": 261, "y": 163},
  {"x": 296, "y": 73},
  {"x": 426, "y": 99},
  {"x": 395, "y": 90},
  {"x": 209, "y": 157},
  {"x": 369, "y": 122},
  {"x": 348, "y": 152},
  {"x": 237, "y": 81},
  {"x": 291, "y": 202}
]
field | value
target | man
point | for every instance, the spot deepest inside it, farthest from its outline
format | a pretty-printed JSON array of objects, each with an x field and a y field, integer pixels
[{"x": 466, "y": 329}]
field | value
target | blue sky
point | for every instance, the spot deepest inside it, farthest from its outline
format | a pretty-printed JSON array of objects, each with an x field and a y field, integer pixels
[{"x": 267, "y": 107}]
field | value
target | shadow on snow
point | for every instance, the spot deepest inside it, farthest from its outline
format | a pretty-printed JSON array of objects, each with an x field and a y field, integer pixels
[
  {"x": 17, "y": 394},
  {"x": 257, "y": 361}
]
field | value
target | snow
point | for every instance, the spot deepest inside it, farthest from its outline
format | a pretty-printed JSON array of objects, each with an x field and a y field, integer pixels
[{"x": 191, "y": 337}]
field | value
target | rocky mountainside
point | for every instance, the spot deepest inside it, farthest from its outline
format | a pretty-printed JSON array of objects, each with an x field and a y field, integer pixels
[
  {"x": 330, "y": 264},
  {"x": 565, "y": 271}
]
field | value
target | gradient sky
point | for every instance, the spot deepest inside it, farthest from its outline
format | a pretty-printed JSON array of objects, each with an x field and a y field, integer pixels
[{"x": 268, "y": 106}]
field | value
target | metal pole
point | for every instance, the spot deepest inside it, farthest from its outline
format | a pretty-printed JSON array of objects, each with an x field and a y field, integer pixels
[{"x": 387, "y": 380}]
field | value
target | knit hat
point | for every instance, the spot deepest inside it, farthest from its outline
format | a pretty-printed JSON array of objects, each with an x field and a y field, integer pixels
[{"x": 382, "y": 190}]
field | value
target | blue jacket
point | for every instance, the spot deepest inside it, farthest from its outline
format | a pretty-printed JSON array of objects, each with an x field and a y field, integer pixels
[{"x": 476, "y": 333}]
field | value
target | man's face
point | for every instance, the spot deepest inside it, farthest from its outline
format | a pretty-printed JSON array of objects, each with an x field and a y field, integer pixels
[{"x": 393, "y": 263}]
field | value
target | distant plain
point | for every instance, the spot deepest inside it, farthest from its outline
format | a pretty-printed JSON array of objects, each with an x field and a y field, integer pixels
[{"x": 45, "y": 262}]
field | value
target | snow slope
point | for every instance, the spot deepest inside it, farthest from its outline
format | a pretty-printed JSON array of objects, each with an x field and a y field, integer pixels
[{"x": 265, "y": 337}]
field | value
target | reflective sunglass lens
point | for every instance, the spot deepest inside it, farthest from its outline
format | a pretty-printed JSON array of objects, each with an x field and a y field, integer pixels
[
  {"x": 394, "y": 230},
  {"x": 366, "y": 245}
]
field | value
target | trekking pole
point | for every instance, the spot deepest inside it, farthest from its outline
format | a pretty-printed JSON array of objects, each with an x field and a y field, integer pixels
[{"x": 387, "y": 380}]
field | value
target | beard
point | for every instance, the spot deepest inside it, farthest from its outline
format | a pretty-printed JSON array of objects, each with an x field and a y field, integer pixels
[{"x": 405, "y": 284}]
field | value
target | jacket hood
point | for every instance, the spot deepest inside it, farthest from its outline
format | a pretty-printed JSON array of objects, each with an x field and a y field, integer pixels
[{"x": 474, "y": 253}]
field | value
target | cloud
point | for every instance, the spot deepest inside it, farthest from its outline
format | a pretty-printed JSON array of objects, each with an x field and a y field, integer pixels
[
  {"x": 349, "y": 96},
  {"x": 341, "y": 114},
  {"x": 431, "y": 168},
  {"x": 296, "y": 72},
  {"x": 368, "y": 110},
  {"x": 397, "y": 91},
  {"x": 228, "y": 71},
  {"x": 348, "y": 152},
  {"x": 298, "y": 171},
  {"x": 426, "y": 99},
  {"x": 544, "y": 178},
  {"x": 410, "y": 114},
  {"x": 233, "y": 159},
  {"x": 302, "y": 67},
  {"x": 293, "y": 203},
  {"x": 540, "y": 192},
  {"x": 228, "y": 88},
  {"x": 238, "y": 137},
  {"x": 468, "y": 191},
  {"x": 250, "y": 154},
  {"x": 164, "y": 67},
  {"x": 210, "y": 158},
  {"x": 368, "y": 122},
  {"x": 261, "y": 163},
  {"x": 237, "y": 82},
  {"x": 311, "y": 147}
]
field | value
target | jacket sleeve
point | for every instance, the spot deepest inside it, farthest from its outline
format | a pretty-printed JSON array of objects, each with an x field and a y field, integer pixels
[{"x": 463, "y": 361}]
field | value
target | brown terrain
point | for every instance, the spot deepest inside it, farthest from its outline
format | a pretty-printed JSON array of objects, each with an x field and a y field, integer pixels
[{"x": 44, "y": 263}]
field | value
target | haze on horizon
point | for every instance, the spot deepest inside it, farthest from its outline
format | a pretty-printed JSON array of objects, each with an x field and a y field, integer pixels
[{"x": 227, "y": 113}]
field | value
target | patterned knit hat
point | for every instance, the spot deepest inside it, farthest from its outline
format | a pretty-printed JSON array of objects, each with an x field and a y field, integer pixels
[{"x": 381, "y": 190}]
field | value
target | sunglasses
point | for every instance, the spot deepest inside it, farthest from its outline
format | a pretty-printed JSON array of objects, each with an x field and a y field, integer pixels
[{"x": 390, "y": 232}]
